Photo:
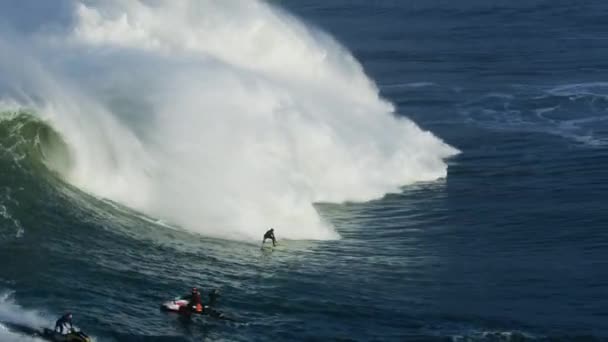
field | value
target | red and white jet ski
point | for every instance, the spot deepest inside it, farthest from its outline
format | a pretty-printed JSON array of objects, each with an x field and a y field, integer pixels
[
  {"x": 174, "y": 305},
  {"x": 179, "y": 305}
]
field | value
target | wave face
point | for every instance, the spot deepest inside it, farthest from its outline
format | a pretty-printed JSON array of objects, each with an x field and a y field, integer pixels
[{"x": 222, "y": 117}]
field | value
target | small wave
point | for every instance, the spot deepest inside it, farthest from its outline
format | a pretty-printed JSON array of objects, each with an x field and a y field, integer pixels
[
  {"x": 598, "y": 89},
  {"x": 407, "y": 85},
  {"x": 494, "y": 336},
  {"x": 149, "y": 338},
  {"x": 519, "y": 336},
  {"x": 27, "y": 139},
  {"x": 574, "y": 112},
  {"x": 468, "y": 333}
]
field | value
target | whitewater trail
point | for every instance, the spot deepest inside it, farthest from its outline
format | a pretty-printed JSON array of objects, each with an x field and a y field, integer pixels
[
  {"x": 224, "y": 118},
  {"x": 10, "y": 312}
]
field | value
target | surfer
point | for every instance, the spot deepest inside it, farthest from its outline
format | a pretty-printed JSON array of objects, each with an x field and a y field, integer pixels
[
  {"x": 270, "y": 235},
  {"x": 213, "y": 296},
  {"x": 64, "y": 324}
]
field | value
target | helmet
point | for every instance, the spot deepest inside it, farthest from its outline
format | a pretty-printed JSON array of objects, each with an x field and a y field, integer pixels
[{"x": 272, "y": 229}]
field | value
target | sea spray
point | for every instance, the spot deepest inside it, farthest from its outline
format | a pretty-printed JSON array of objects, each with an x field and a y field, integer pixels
[{"x": 224, "y": 118}]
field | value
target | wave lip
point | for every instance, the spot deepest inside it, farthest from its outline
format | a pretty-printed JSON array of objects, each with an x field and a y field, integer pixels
[{"x": 28, "y": 138}]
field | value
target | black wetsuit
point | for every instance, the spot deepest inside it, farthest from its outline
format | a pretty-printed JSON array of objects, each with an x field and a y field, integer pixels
[
  {"x": 64, "y": 324},
  {"x": 213, "y": 295},
  {"x": 270, "y": 235}
]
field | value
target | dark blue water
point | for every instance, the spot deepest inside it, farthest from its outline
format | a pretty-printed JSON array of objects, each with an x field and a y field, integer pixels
[{"x": 511, "y": 246}]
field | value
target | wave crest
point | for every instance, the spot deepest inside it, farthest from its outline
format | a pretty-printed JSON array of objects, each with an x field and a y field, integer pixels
[{"x": 26, "y": 138}]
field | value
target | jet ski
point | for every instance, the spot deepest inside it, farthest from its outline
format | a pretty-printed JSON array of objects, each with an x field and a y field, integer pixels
[
  {"x": 47, "y": 334},
  {"x": 72, "y": 336},
  {"x": 180, "y": 305}
]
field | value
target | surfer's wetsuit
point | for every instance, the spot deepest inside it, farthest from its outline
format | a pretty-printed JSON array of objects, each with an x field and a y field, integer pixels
[
  {"x": 270, "y": 235},
  {"x": 64, "y": 324},
  {"x": 213, "y": 297}
]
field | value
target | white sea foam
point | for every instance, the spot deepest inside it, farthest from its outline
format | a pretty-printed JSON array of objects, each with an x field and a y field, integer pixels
[
  {"x": 223, "y": 117},
  {"x": 10, "y": 312}
]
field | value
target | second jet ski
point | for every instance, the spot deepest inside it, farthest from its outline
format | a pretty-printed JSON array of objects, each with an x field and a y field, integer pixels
[{"x": 46, "y": 333}]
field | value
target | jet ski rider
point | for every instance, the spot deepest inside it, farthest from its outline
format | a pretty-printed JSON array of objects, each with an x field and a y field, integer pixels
[
  {"x": 64, "y": 324},
  {"x": 195, "y": 304}
]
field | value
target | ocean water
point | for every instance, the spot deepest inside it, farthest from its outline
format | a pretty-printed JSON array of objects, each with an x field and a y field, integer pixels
[{"x": 434, "y": 170}]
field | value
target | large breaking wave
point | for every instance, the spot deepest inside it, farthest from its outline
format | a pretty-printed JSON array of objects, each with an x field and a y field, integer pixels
[{"x": 223, "y": 117}]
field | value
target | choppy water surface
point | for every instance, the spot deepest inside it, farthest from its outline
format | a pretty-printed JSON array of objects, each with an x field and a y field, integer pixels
[{"x": 129, "y": 174}]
